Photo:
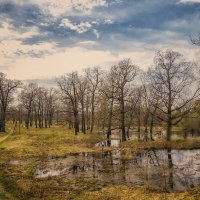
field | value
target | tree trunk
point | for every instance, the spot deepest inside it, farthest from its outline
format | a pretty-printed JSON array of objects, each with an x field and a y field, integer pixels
[
  {"x": 169, "y": 109},
  {"x": 139, "y": 121},
  {"x": 127, "y": 132},
  {"x": 76, "y": 125},
  {"x": 50, "y": 120},
  {"x": 39, "y": 119},
  {"x": 45, "y": 122},
  {"x": 83, "y": 118},
  {"x": 146, "y": 124},
  {"x": 122, "y": 117},
  {"x": 87, "y": 114},
  {"x": 3, "y": 122},
  {"x": 110, "y": 119},
  {"x": 92, "y": 115},
  {"x": 28, "y": 119},
  {"x": 36, "y": 119},
  {"x": 185, "y": 135},
  {"x": 169, "y": 130},
  {"x": 69, "y": 125},
  {"x": 31, "y": 119},
  {"x": 170, "y": 165},
  {"x": 169, "y": 122},
  {"x": 151, "y": 127}
]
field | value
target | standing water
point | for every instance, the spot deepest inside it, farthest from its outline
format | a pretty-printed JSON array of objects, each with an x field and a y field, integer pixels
[
  {"x": 164, "y": 170},
  {"x": 113, "y": 142}
]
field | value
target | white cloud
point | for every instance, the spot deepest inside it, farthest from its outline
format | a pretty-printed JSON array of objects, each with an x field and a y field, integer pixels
[
  {"x": 97, "y": 33},
  {"x": 11, "y": 47},
  {"x": 12, "y": 50},
  {"x": 87, "y": 43},
  {"x": 59, "y": 7},
  {"x": 80, "y": 28},
  {"x": 190, "y": 1},
  {"x": 108, "y": 21},
  {"x": 7, "y": 33},
  {"x": 61, "y": 62},
  {"x": 84, "y": 54},
  {"x": 81, "y": 56},
  {"x": 87, "y": 5}
]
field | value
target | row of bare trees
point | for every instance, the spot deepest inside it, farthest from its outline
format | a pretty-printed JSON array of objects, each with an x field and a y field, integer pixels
[
  {"x": 38, "y": 105},
  {"x": 7, "y": 89},
  {"x": 164, "y": 94},
  {"x": 81, "y": 93},
  {"x": 121, "y": 97}
]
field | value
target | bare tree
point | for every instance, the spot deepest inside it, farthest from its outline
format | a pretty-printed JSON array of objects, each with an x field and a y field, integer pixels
[
  {"x": 124, "y": 73},
  {"x": 50, "y": 98},
  {"x": 68, "y": 84},
  {"x": 7, "y": 88},
  {"x": 132, "y": 102},
  {"x": 150, "y": 101},
  {"x": 175, "y": 84},
  {"x": 138, "y": 112},
  {"x": 40, "y": 104},
  {"x": 27, "y": 98},
  {"x": 108, "y": 91},
  {"x": 94, "y": 78},
  {"x": 82, "y": 87}
]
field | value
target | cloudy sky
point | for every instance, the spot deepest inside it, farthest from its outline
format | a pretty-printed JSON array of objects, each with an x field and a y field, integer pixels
[{"x": 41, "y": 39}]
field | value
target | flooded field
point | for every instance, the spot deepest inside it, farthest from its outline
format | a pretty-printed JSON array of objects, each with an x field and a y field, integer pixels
[
  {"x": 115, "y": 139},
  {"x": 113, "y": 142},
  {"x": 163, "y": 170}
]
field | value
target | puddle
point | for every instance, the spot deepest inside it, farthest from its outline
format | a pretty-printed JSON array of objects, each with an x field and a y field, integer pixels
[
  {"x": 163, "y": 170},
  {"x": 20, "y": 162},
  {"x": 14, "y": 162},
  {"x": 107, "y": 143},
  {"x": 113, "y": 142},
  {"x": 116, "y": 139}
]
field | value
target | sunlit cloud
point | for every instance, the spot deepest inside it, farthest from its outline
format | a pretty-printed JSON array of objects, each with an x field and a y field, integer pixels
[
  {"x": 97, "y": 33},
  {"x": 8, "y": 33},
  {"x": 45, "y": 38},
  {"x": 60, "y": 7},
  {"x": 80, "y": 28},
  {"x": 190, "y": 1}
]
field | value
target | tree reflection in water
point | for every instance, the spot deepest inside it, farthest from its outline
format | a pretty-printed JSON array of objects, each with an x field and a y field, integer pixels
[{"x": 166, "y": 170}]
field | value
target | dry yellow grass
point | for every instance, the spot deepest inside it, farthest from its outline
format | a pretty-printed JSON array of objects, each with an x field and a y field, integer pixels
[
  {"x": 160, "y": 144},
  {"x": 18, "y": 183},
  {"x": 127, "y": 193}
]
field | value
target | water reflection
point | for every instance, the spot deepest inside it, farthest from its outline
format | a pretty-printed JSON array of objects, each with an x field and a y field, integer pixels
[
  {"x": 166, "y": 170},
  {"x": 113, "y": 142}
]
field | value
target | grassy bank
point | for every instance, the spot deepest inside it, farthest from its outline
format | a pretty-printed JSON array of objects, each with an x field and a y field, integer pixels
[
  {"x": 20, "y": 153},
  {"x": 192, "y": 143},
  {"x": 128, "y": 193}
]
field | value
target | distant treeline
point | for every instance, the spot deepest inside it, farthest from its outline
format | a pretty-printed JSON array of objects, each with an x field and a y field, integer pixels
[{"x": 121, "y": 97}]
